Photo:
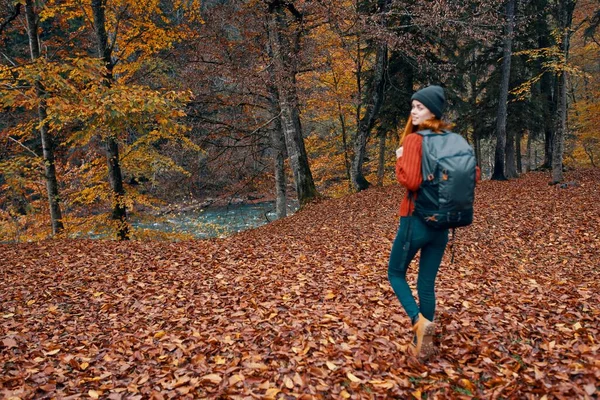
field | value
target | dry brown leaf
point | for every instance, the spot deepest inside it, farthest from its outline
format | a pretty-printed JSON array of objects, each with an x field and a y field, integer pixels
[
  {"x": 9, "y": 342},
  {"x": 213, "y": 378}
]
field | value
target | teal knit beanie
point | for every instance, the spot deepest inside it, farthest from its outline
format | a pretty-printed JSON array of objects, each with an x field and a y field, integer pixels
[{"x": 433, "y": 98}]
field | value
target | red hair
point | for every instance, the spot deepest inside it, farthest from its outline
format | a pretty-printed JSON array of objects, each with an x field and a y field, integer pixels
[{"x": 435, "y": 124}]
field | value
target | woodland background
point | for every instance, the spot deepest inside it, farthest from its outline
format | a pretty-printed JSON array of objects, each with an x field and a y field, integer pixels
[{"x": 117, "y": 109}]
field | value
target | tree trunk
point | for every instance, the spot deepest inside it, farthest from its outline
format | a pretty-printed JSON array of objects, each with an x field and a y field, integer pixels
[
  {"x": 559, "y": 134},
  {"x": 547, "y": 84},
  {"x": 344, "y": 131},
  {"x": 565, "y": 18},
  {"x": 475, "y": 122},
  {"x": 511, "y": 162},
  {"x": 278, "y": 143},
  {"x": 345, "y": 143},
  {"x": 278, "y": 146},
  {"x": 47, "y": 141},
  {"x": 285, "y": 74},
  {"x": 115, "y": 178},
  {"x": 548, "y": 89},
  {"x": 477, "y": 146},
  {"x": 530, "y": 166},
  {"x": 279, "y": 156},
  {"x": 518, "y": 140},
  {"x": 119, "y": 213},
  {"x": 499, "y": 158},
  {"x": 366, "y": 123},
  {"x": 381, "y": 164}
]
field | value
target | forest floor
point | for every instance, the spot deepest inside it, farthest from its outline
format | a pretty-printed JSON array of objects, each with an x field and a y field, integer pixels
[{"x": 302, "y": 308}]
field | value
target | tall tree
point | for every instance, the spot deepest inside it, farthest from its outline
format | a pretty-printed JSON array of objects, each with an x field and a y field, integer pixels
[
  {"x": 279, "y": 153},
  {"x": 285, "y": 65},
  {"x": 48, "y": 144},
  {"x": 547, "y": 81},
  {"x": 115, "y": 177},
  {"x": 375, "y": 95},
  {"x": 500, "y": 154},
  {"x": 565, "y": 18}
]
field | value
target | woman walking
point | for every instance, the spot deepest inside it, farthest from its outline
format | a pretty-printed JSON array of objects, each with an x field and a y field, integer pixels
[{"x": 427, "y": 106}]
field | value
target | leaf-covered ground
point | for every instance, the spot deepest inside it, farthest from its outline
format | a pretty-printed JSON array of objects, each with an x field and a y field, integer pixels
[{"x": 302, "y": 308}]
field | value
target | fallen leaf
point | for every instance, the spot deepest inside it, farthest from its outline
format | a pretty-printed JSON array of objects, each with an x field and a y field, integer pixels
[
  {"x": 352, "y": 377},
  {"x": 271, "y": 393},
  {"x": 590, "y": 389},
  {"x": 288, "y": 382},
  {"x": 331, "y": 365},
  {"x": 213, "y": 378},
  {"x": 9, "y": 342},
  {"x": 235, "y": 379}
]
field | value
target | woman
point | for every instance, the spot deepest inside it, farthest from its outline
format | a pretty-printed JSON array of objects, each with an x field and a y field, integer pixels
[{"x": 413, "y": 235}]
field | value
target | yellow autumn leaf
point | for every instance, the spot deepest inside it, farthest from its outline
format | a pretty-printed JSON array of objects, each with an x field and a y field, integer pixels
[
  {"x": 271, "y": 393},
  {"x": 331, "y": 365},
  {"x": 93, "y": 394},
  {"x": 382, "y": 384},
  {"x": 465, "y": 383},
  {"x": 219, "y": 360},
  {"x": 288, "y": 382},
  {"x": 235, "y": 379},
  {"x": 352, "y": 377},
  {"x": 159, "y": 334},
  {"x": 298, "y": 380}
]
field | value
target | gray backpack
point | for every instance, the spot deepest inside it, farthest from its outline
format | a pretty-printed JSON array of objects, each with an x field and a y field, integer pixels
[{"x": 445, "y": 198}]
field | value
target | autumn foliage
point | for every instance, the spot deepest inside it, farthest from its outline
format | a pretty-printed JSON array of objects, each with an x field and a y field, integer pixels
[{"x": 302, "y": 308}]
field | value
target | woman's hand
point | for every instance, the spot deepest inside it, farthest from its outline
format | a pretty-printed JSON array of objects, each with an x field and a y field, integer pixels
[{"x": 399, "y": 151}]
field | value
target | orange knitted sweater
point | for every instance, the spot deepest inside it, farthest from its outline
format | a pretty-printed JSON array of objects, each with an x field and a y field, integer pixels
[{"x": 408, "y": 171}]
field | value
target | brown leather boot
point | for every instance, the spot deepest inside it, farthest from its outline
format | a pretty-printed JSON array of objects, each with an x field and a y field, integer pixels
[{"x": 423, "y": 346}]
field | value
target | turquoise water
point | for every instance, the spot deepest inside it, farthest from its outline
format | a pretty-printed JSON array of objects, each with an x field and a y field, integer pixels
[{"x": 217, "y": 221}]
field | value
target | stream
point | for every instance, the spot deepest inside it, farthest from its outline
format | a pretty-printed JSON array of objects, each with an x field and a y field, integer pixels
[{"x": 217, "y": 221}]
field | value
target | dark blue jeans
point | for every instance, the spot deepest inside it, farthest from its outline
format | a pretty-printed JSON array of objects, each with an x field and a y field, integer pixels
[{"x": 414, "y": 235}]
